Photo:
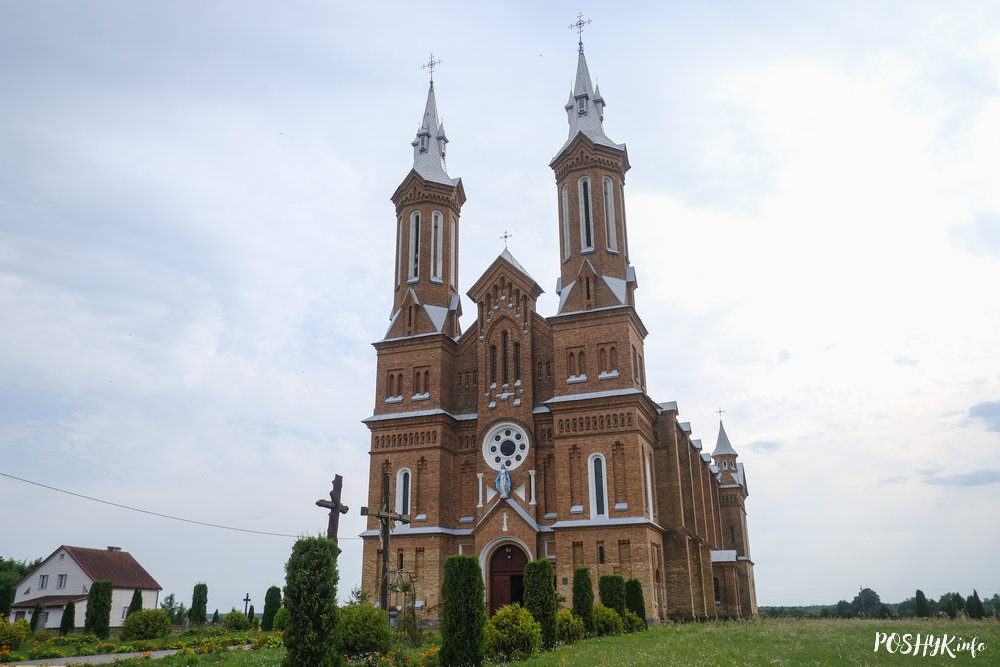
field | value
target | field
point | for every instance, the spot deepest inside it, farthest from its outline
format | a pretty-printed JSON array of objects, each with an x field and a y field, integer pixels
[{"x": 757, "y": 642}]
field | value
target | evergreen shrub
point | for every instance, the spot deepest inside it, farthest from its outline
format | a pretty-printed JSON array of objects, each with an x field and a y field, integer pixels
[
  {"x": 583, "y": 598},
  {"x": 463, "y": 614},
  {"x": 611, "y": 588},
  {"x": 311, "y": 598},
  {"x": 136, "y": 603},
  {"x": 607, "y": 622},
  {"x": 98, "y": 617},
  {"x": 146, "y": 624},
  {"x": 12, "y": 635},
  {"x": 511, "y": 635},
  {"x": 364, "y": 629},
  {"x": 281, "y": 620},
  {"x": 272, "y": 603},
  {"x": 569, "y": 627},
  {"x": 236, "y": 621},
  {"x": 633, "y": 623},
  {"x": 36, "y": 616},
  {"x": 199, "y": 605},
  {"x": 540, "y": 597},
  {"x": 635, "y": 601}
]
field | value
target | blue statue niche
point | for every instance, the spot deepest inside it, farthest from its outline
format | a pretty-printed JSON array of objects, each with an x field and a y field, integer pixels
[{"x": 503, "y": 482}]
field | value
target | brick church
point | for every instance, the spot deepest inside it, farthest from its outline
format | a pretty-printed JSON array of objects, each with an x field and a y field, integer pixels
[{"x": 529, "y": 436}]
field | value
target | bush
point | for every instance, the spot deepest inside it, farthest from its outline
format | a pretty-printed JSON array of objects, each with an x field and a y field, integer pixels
[
  {"x": 607, "y": 621},
  {"x": 611, "y": 588},
  {"x": 511, "y": 635},
  {"x": 583, "y": 598},
  {"x": 463, "y": 615},
  {"x": 633, "y": 623},
  {"x": 199, "y": 605},
  {"x": 311, "y": 597},
  {"x": 68, "y": 622},
  {"x": 635, "y": 601},
  {"x": 98, "y": 617},
  {"x": 272, "y": 603},
  {"x": 280, "y": 620},
  {"x": 146, "y": 624},
  {"x": 12, "y": 635},
  {"x": 540, "y": 597},
  {"x": 364, "y": 629},
  {"x": 569, "y": 627},
  {"x": 236, "y": 621}
]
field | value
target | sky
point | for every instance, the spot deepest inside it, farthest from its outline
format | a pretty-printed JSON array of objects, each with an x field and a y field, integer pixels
[{"x": 196, "y": 253}]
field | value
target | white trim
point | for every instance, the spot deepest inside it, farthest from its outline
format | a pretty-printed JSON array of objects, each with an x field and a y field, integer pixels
[
  {"x": 649, "y": 488},
  {"x": 437, "y": 244},
  {"x": 565, "y": 223},
  {"x": 413, "y": 258},
  {"x": 453, "y": 254},
  {"x": 496, "y": 542},
  {"x": 591, "y": 484}
]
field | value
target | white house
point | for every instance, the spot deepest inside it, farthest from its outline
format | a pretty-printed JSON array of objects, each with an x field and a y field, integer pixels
[{"x": 68, "y": 575}]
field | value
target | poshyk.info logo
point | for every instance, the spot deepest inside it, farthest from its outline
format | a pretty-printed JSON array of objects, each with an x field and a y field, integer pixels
[{"x": 931, "y": 646}]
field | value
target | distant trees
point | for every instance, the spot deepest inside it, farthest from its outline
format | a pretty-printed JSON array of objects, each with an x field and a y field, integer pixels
[
  {"x": 176, "y": 611},
  {"x": 922, "y": 610},
  {"x": 11, "y": 572},
  {"x": 865, "y": 603},
  {"x": 199, "y": 604},
  {"x": 974, "y": 606}
]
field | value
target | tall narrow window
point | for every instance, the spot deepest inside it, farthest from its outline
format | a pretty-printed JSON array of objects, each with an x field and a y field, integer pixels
[
  {"x": 403, "y": 491},
  {"x": 517, "y": 362},
  {"x": 506, "y": 359},
  {"x": 565, "y": 222},
  {"x": 583, "y": 363},
  {"x": 493, "y": 365},
  {"x": 453, "y": 254},
  {"x": 609, "y": 214},
  {"x": 399, "y": 249},
  {"x": 649, "y": 489},
  {"x": 586, "y": 220},
  {"x": 598, "y": 488},
  {"x": 427, "y": 382},
  {"x": 437, "y": 244},
  {"x": 414, "y": 257}
]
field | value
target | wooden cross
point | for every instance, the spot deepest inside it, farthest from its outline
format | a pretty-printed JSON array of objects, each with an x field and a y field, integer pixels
[
  {"x": 246, "y": 605},
  {"x": 431, "y": 64},
  {"x": 578, "y": 26},
  {"x": 336, "y": 508},
  {"x": 386, "y": 516}
]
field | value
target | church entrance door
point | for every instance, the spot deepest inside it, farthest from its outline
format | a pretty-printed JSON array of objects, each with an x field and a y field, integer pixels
[{"x": 506, "y": 576}]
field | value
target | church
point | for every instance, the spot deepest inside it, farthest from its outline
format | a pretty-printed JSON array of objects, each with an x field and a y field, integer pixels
[{"x": 532, "y": 436}]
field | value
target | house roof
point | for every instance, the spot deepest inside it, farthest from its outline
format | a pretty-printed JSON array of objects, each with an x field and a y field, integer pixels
[
  {"x": 48, "y": 601},
  {"x": 119, "y": 567}
]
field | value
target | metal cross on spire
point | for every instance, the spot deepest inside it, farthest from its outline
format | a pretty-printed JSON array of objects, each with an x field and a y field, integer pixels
[
  {"x": 719, "y": 412},
  {"x": 578, "y": 26},
  {"x": 506, "y": 235},
  {"x": 431, "y": 64}
]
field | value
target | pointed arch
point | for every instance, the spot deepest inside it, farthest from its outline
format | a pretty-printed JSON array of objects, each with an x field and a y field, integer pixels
[
  {"x": 597, "y": 479},
  {"x": 413, "y": 263},
  {"x": 586, "y": 215}
]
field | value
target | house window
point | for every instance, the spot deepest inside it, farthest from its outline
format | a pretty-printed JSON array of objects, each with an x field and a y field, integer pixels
[
  {"x": 437, "y": 243},
  {"x": 598, "y": 488},
  {"x": 565, "y": 222},
  {"x": 43, "y": 581},
  {"x": 586, "y": 221},
  {"x": 609, "y": 215},
  {"x": 403, "y": 491},
  {"x": 124, "y": 612},
  {"x": 61, "y": 581},
  {"x": 414, "y": 256}
]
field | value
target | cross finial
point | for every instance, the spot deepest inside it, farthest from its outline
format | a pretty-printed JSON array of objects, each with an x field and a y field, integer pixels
[
  {"x": 431, "y": 64},
  {"x": 719, "y": 412},
  {"x": 579, "y": 27},
  {"x": 506, "y": 235}
]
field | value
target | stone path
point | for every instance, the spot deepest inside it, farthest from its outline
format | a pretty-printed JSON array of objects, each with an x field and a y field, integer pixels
[{"x": 105, "y": 659}]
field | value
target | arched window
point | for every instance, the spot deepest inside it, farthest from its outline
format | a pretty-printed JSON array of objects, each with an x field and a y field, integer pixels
[
  {"x": 437, "y": 244},
  {"x": 517, "y": 362},
  {"x": 649, "y": 488},
  {"x": 602, "y": 360},
  {"x": 493, "y": 365},
  {"x": 565, "y": 222},
  {"x": 506, "y": 358},
  {"x": 572, "y": 364},
  {"x": 403, "y": 491},
  {"x": 586, "y": 218},
  {"x": 427, "y": 382},
  {"x": 416, "y": 382},
  {"x": 414, "y": 256},
  {"x": 583, "y": 364},
  {"x": 598, "y": 486},
  {"x": 392, "y": 385},
  {"x": 609, "y": 214},
  {"x": 614, "y": 359}
]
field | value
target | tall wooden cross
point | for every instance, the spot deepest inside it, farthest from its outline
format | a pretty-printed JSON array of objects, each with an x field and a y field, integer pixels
[
  {"x": 386, "y": 516},
  {"x": 336, "y": 508},
  {"x": 246, "y": 604}
]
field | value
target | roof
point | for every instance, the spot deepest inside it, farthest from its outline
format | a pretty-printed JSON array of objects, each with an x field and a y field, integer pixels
[
  {"x": 585, "y": 110},
  {"x": 119, "y": 567},
  {"x": 49, "y": 601},
  {"x": 429, "y": 145},
  {"x": 722, "y": 445}
]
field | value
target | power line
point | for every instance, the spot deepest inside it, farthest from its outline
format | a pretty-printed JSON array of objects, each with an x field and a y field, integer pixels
[{"x": 159, "y": 514}]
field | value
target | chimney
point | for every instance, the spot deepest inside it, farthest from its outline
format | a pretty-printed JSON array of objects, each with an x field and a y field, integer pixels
[{"x": 114, "y": 548}]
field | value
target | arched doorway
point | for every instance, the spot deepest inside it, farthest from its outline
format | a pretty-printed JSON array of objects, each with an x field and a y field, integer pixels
[{"x": 506, "y": 576}]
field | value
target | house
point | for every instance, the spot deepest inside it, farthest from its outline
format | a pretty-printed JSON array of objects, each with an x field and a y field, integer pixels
[{"x": 68, "y": 575}]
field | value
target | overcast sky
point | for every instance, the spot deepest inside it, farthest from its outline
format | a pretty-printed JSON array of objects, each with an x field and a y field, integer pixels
[{"x": 196, "y": 245}]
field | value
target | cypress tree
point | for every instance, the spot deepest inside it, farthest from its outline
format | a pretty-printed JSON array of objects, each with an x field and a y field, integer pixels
[
  {"x": 463, "y": 612},
  {"x": 921, "y": 602},
  {"x": 635, "y": 601},
  {"x": 540, "y": 597},
  {"x": 215, "y": 617},
  {"x": 272, "y": 602},
  {"x": 611, "y": 588},
  {"x": 36, "y": 616},
  {"x": 583, "y": 598},
  {"x": 974, "y": 606},
  {"x": 136, "y": 603},
  {"x": 199, "y": 605},
  {"x": 97, "y": 620},
  {"x": 311, "y": 598},
  {"x": 68, "y": 622}
]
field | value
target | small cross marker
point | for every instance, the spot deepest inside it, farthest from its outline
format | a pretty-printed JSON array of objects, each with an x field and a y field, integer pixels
[
  {"x": 431, "y": 64},
  {"x": 719, "y": 412},
  {"x": 578, "y": 26},
  {"x": 506, "y": 235}
]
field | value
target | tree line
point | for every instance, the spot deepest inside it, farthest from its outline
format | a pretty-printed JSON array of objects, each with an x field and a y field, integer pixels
[{"x": 868, "y": 604}]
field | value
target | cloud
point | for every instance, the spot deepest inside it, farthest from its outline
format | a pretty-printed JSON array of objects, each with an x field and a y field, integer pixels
[
  {"x": 765, "y": 446},
  {"x": 895, "y": 479},
  {"x": 900, "y": 360},
  {"x": 979, "y": 237},
  {"x": 977, "y": 478},
  {"x": 988, "y": 413}
]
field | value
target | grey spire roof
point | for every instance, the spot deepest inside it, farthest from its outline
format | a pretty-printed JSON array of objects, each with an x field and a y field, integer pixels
[
  {"x": 429, "y": 145},
  {"x": 722, "y": 446},
  {"x": 585, "y": 109}
]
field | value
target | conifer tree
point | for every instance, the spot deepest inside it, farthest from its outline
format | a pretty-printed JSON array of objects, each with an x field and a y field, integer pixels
[
  {"x": 136, "y": 603},
  {"x": 583, "y": 598},
  {"x": 36, "y": 616},
  {"x": 199, "y": 605},
  {"x": 540, "y": 597},
  {"x": 272, "y": 602},
  {"x": 311, "y": 637},
  {"x": 974, "y": 606},
  {"x": 97, "y": 620},
  {"x": 611, "y": 588},
  {"x": 635, "y": 601},
  {"x": 922, "y": 610},
  {"x": 463, "y": 614},
  {"x": 68, "y": 622}
]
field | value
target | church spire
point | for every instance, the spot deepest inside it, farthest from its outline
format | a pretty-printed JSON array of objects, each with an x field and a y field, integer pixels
[
  {"x": 722, "y": 445},
  {"x": 429, "y": 146}
]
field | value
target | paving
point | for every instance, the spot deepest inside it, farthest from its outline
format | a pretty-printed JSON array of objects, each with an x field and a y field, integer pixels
[{"x": 105, "y": 659}]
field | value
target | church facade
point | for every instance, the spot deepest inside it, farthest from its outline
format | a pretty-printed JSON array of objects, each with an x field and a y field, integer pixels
[{"x": 529, "y": 436}]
